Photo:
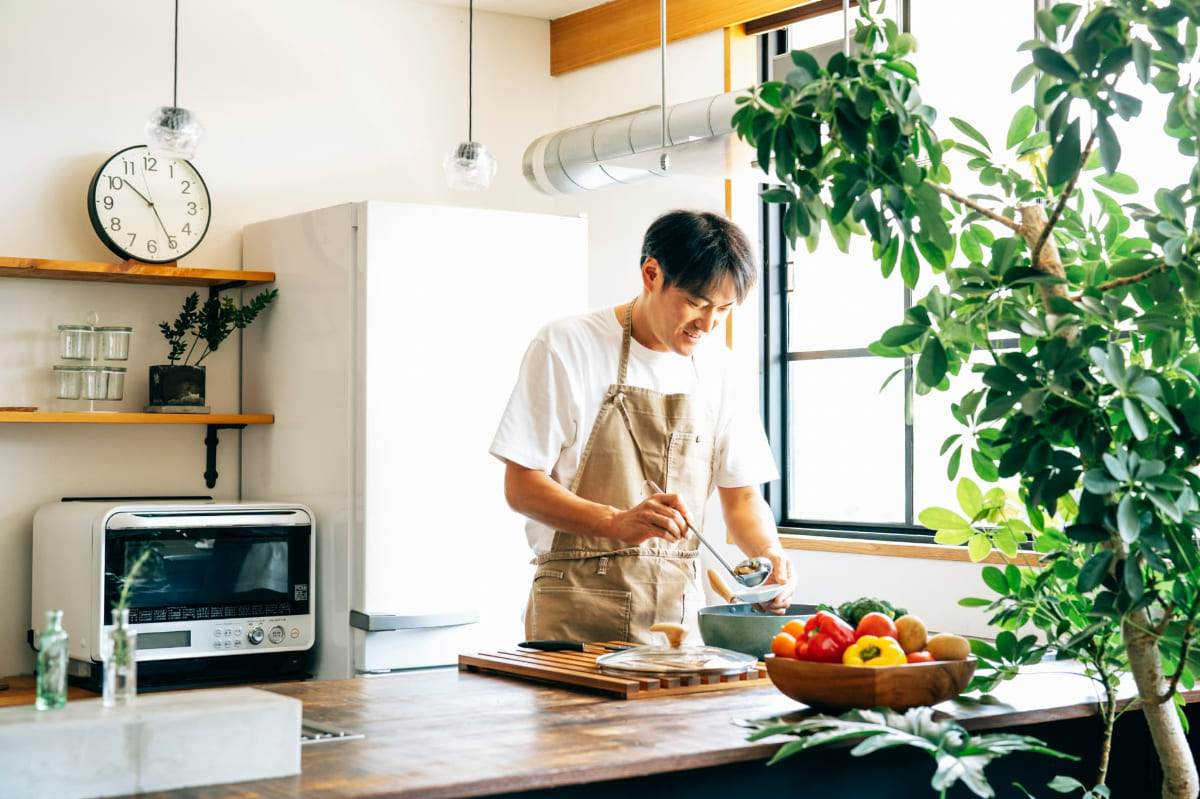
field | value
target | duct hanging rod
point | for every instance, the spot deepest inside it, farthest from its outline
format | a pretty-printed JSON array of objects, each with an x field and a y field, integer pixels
[
  {"x": 664, "y": 160},
  {"x": 846, "y": 28}
]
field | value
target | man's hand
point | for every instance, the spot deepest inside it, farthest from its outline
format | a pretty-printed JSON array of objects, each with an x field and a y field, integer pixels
[
  {"x": 781, "y": 573},
  {"x": 661, "y": 516}
]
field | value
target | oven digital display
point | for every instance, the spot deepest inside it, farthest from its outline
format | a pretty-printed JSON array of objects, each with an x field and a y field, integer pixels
[
  {"x": 201, "y": 573},
  {"x": 168, "y": 640}
]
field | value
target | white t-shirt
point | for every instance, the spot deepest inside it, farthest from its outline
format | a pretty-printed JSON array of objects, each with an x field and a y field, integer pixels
[{"x": 566, "y": 371}]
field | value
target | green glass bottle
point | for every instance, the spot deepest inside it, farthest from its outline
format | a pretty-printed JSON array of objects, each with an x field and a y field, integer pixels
[{"x": 52, "y": 663}]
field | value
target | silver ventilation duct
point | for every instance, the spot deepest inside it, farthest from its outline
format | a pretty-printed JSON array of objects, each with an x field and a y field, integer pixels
[{"x": 629, "y": 148}]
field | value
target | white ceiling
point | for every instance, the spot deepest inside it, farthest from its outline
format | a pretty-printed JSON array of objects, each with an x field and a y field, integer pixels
[{"x": 541, "y": 9}]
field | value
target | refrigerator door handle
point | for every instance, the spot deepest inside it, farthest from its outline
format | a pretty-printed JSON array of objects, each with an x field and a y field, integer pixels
[{"x": 381, "y": 622}]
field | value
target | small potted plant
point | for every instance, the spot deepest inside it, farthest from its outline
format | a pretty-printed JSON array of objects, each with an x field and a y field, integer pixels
[{"x": 178, "y": 385}]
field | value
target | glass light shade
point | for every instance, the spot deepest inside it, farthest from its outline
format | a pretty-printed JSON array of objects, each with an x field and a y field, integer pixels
[
  {"x": 469, "y": 166},
  {"x": 173, "y": 132}
]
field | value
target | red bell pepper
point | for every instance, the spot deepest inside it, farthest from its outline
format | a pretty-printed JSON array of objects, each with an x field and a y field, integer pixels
[{"x": 825, "y": 638}]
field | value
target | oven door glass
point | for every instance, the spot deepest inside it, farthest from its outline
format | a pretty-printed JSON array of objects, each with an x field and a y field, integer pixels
[{"x": 196, "y": 573}]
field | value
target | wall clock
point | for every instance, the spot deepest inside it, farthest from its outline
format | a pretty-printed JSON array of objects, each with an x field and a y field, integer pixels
[{"x": 146, "y": 207}]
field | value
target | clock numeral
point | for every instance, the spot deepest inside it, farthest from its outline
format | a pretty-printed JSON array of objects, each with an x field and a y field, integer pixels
[
  {"x": 114, "y": 224},
  {"x": 187, "y": 229},
  {"x": 173, "y": 242},
  {"x": 149, "y": 163},
  {"x": 191, "y": 209},
  {"x": 114, "y": 182},
  {"x": 108, "y": 202},
  {"x": 132, "y": 239},
  {"x": 151, "y": 246},
  {"x": 186, "y": 187},
  {"x": 130, "y": 168}
]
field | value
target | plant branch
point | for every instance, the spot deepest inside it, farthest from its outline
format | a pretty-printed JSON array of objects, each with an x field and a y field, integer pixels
[
  {"x": 1126, "y": 281},
  {"x": 1068, "y": 190},
  {"x": 974, "y": 206}
]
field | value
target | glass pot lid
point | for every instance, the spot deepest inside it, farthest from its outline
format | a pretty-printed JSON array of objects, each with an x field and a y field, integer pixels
[{"x": 676, "y": 657}]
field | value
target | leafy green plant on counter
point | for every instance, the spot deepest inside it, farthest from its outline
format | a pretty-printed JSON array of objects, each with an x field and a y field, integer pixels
[
  {"x": 1097, "y": 402},
  {"x": 958, "y": 754},
  {"x": 1045, "y": 597},
  {"x": 209, "y": 324}
]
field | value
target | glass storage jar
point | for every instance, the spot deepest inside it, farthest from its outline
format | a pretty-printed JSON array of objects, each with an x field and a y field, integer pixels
[
  {"x": 77, "y": 342},
  {"x": 69, "y": 381},
  {"x": 114, "y": 342},
  {"x": 114, "y": 379},
  {"x": 93, "y": 382}
]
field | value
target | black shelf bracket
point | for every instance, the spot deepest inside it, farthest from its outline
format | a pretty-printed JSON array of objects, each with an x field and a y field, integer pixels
[{"x": 210, "y": 451}]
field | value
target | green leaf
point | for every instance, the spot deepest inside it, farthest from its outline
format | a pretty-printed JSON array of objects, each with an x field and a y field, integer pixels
[
  {"x": 1065, "y": 159},
  {"x": 931, "y": 368},
  {"x": 953, "y": 538},
  {"x": 970, "y": 246},
  {"x": 994, "y": 579},
  {"x": 900, "y": 335},
  {"x": 1110, "y": 147},
  {"x": 1097, "y": 481},
  {"x": 1021, "y": 126},
  {"x": 1094, "y": 570},
  {"x": 1169, "y": 203},
  {"x": 1087, "y": 533},
  {"x": 1118, "y": 182},
  {"x": 1006, "y": 542},
  {"x": 943, "y": 519},
  {"x": 969, "y": 497},
  {"x": 979, "y": 547},
  {"x": 1128, "y": 525},
  {"x": 910, "y": 267},
  {"x": 984, "y": 466},
  {"x": 1135, "y": 585},
  {"x": 1136, "y": 419},
  {"x": 969, "y": 130},
  {"x": 1023, "y": 77},
  {"x": 1053, "y": 63}
]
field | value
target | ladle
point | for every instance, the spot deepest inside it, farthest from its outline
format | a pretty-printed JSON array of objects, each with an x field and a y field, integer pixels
[{"x": 750, "y": 572}]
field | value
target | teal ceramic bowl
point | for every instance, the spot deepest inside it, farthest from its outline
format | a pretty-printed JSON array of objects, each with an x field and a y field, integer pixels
[{"x": 743, "y": 629}]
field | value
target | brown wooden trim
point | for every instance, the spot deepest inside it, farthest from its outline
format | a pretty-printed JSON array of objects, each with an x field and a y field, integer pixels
[
  {"x": 624, "y": 27},
  {"x": 126, "y": 272},
  {"x": 857, "y": 546},
  {"x": 88, "y": 417},
  {"x": 774, "y": 22}
]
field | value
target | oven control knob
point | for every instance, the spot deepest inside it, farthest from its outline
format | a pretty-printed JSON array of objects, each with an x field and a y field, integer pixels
[
  {"x": 255, "y": 636},
  {"x": 277, "y": 634}
]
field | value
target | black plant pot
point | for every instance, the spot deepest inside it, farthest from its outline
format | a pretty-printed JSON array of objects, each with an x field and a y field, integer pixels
[{"x": 172, "y": 385}]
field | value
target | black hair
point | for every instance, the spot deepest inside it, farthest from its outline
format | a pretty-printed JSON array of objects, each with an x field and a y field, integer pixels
[{"x": 697, "y": 250}]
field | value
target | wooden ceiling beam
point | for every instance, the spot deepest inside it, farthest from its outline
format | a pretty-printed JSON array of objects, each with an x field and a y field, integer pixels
[{"x": 624, "y": 27}]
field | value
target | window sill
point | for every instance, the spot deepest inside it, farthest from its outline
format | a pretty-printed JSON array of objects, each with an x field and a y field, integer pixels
[{"x": 858, "y": 546}]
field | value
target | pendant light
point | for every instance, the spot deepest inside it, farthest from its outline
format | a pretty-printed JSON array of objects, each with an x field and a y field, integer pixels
[
  {"x": 172, "y": 131},
  {"x": 469, "y": 165}
]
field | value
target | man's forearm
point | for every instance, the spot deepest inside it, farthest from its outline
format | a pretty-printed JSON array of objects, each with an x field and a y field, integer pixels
[{"x": 534, "y": 494}]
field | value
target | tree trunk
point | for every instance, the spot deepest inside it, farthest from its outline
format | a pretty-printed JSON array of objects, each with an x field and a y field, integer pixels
[
  {"x": 1033, "y": 222},
  {"x": 1180, "y": 780}
]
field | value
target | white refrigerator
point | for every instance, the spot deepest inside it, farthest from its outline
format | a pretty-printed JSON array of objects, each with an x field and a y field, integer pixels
[{"x": 387, "y": 360}]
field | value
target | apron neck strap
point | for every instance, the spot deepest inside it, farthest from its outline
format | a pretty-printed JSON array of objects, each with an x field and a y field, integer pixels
[{"x": 626, "y": 337}]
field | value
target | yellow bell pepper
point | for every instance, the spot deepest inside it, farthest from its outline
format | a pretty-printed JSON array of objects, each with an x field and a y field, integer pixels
[{"x": 871, "y": 650}]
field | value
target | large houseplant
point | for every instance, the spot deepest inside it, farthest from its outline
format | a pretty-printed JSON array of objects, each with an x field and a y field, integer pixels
[
  {"x": 196, "y": 333},
  {"x": 1097, "y": 408}
]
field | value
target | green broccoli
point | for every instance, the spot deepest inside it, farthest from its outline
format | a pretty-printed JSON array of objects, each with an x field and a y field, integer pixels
[{"x": 855, "y": 609}]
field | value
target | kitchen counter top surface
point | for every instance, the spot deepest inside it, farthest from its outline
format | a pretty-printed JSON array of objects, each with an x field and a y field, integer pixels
[{"x": 445, "y": 733}]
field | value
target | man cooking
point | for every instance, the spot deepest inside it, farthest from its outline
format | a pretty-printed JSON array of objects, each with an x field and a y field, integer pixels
[{"x": 622, "y": 423}]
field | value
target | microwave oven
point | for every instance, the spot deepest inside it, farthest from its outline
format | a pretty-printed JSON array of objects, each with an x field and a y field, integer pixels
[{"x": 226, "y": 595}]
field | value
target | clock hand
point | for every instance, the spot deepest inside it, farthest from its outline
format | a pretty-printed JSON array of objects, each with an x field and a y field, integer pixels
[
  {"x": 153, "y": 207},
  {"x": 138, "y": 193}
]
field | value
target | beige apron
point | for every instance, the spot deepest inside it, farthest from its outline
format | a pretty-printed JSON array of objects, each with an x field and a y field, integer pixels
[{"x": 589, "y": 588}]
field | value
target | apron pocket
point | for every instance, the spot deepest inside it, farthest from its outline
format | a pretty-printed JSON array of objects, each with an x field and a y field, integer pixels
[{"x": 570, "y": 613}]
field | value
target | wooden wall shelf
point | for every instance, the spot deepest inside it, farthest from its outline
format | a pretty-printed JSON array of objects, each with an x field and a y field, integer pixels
[
  {"x": 130, "y": 272},
  {"x": 87, "y": 417}
]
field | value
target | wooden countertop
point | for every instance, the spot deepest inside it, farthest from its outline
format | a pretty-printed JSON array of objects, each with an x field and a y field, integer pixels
[{"x": 445, "y": 733}]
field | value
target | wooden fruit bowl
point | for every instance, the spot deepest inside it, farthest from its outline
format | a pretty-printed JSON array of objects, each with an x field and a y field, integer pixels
[{"x": 832, "y": 686}]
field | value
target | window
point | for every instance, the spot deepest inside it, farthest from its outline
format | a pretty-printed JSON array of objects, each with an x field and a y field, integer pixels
[{"x": 850, "y": 460}]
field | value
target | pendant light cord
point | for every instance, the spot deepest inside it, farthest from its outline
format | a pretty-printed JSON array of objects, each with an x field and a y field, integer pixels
[
  {"x": 470, "y": 65},
  {"x": 175, "y": 69}
]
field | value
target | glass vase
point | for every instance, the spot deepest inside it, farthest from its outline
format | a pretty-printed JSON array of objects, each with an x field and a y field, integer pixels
[
  {"x": 52, "y": 663},
  {"x": 120, "y": 664}
]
